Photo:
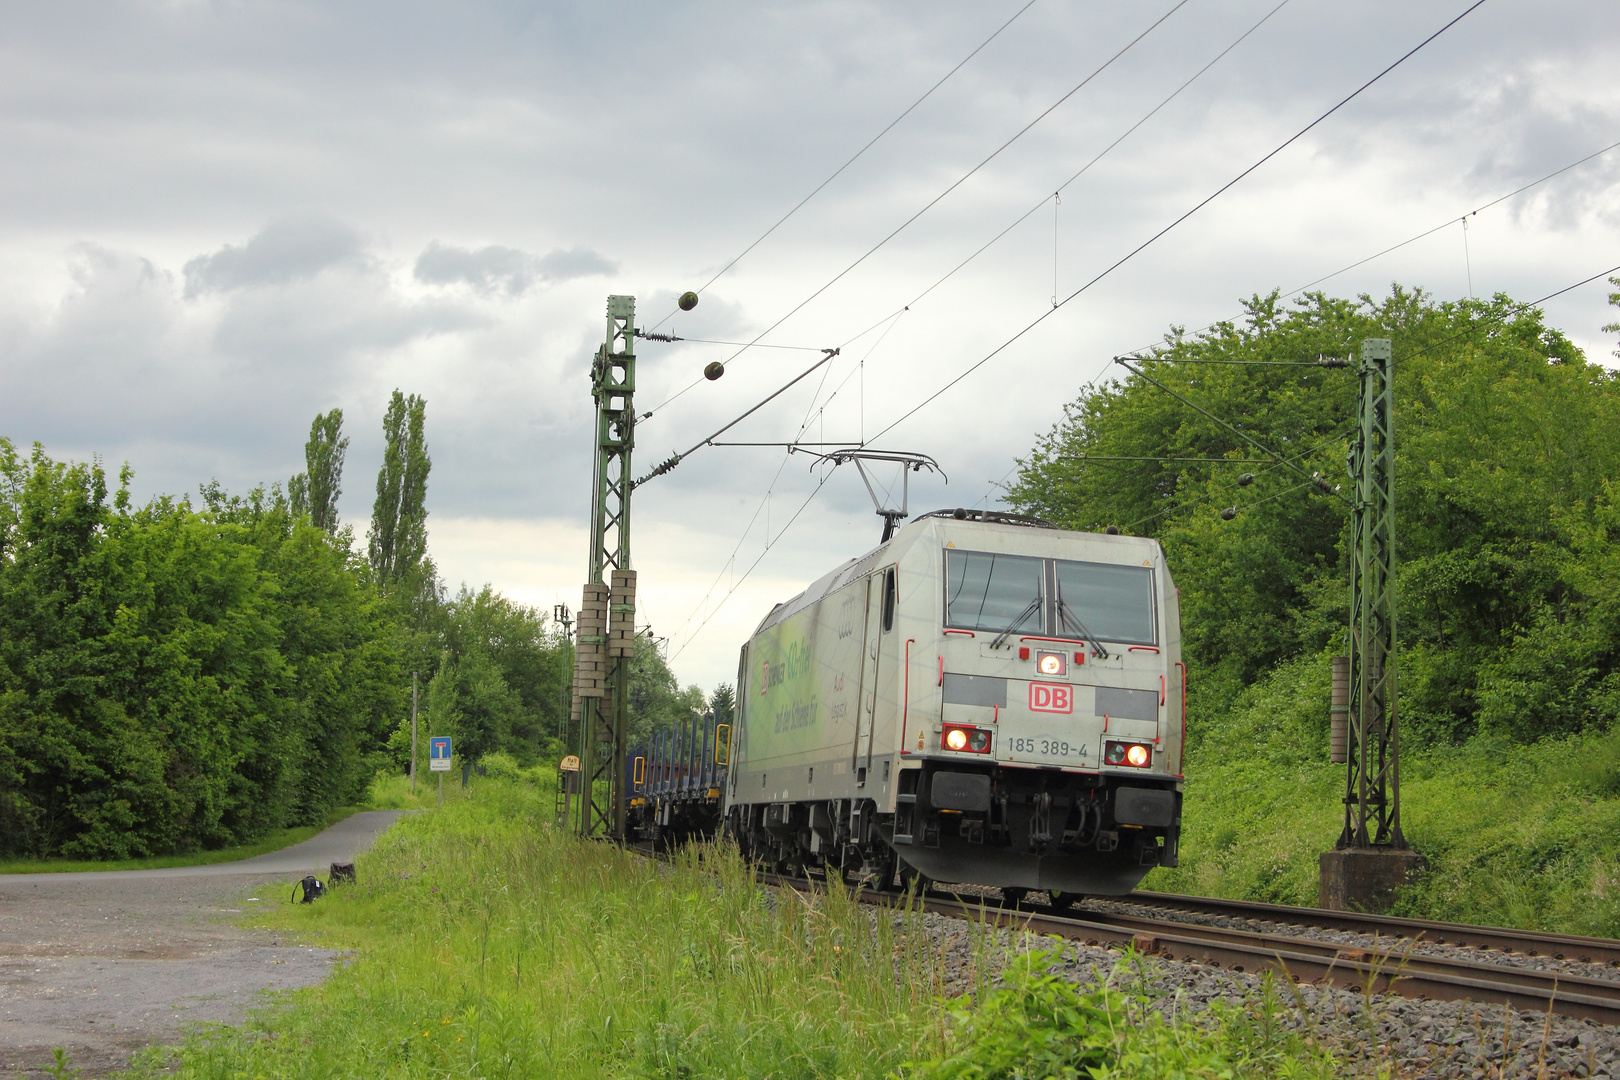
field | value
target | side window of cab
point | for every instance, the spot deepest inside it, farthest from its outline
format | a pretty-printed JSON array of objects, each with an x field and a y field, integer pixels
[{"x": 888, "y": 599}]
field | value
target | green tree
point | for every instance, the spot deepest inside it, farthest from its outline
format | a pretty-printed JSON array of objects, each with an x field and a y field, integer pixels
[
  {"x": 506, "y": 656},
  {"x": 657, "y": 701},
  {"x": 723, "y": 703},
  {"x": 397, "y": 545},
  {"x": 315, "y": 491},
  {"x": 1614, "y": 298},
  {"x": 1505, "y": 453},
  {"x": 469, "y": 700},
  {"x": 173, "y": 678}
]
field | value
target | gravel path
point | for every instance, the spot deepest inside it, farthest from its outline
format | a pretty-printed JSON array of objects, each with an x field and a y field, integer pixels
[{"x": 105, "y": 963}]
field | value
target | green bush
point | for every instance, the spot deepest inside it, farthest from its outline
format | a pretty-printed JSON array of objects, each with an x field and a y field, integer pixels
[
  {"x": 1038, "y": 1025},
  {"x": 173, "y": 679}
]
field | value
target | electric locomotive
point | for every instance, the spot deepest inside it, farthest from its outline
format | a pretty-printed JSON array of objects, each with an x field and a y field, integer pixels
[{"x": 983, "y": 698}]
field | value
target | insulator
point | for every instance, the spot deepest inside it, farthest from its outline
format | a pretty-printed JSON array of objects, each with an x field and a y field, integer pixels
[
  {"x": 688, "y": 301},
  {"x": 1246, "y": 479},
  {"x": 1229, "y": 513},
  {"x": 1333, "y": 361},
  {"x": 714, "y": 370}
]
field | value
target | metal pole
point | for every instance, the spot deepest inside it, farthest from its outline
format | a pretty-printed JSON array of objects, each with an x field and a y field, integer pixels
[
  {"x": 413, "y": 733},
  {"x": 606, "y": 618},
  {"x": 441, "y": 789},
  {"x": 1372, "y": 806}
]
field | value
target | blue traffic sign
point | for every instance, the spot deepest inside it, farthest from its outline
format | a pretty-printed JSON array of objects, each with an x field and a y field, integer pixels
[{"x": 439, "y": 753}]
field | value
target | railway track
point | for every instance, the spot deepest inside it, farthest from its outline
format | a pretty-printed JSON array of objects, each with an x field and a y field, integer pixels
[
  {"x": 1394, "y": 968},
  {"x": 1587, "y": 950}
]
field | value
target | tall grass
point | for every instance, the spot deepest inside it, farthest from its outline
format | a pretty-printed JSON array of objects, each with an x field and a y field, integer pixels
[{"x": 490, "y": 944}]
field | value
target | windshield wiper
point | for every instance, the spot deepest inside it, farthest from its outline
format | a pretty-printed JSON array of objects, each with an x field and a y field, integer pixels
[
  {"x": 1034, "y": 606},
  {"x": 1071, "y": 619}
]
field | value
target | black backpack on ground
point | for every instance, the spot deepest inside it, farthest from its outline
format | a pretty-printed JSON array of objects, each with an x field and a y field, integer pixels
[{"x": 313, "y": 889}]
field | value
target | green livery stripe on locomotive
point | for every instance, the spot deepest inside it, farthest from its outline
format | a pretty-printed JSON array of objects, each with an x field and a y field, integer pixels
[{"x": 785, "y": 714}]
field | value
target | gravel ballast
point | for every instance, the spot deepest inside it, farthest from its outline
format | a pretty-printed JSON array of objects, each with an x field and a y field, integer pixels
[{"x": 1373, "y": 1034}]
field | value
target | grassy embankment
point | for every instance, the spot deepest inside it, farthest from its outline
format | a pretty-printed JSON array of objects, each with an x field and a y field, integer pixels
[
  {"x": 490, "y": 944},
  {"x": 1515, "y": 835}
]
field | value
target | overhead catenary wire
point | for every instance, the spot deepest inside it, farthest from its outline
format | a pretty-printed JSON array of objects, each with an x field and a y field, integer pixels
[
  {"x": 838, "y": 171},
  {"x": 993, "y": 484},
  {"x": 804, "y": 424},
  {"x": 769, "y": 543},
  {"x": 675, "y": 459},
  {"x": 1270, "y": 466},
  {"x": 649, "y": 335},
  {"x": 1189, "y": 213},
  {"x": 1446, "y": 224},
  {"x": 1510, "y": 310},
  {"x": 893, "y": 318},
  {"x": 1085, "y": 169},
  {"x": 1278, "y": 461},
  {"x": 1194, "y": 210},
  {"x": 801, "y": 305}
]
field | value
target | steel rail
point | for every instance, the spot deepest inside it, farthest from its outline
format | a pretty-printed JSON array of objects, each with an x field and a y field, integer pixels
[
  {"x": 1588, "y": 950},
  {"x": 1297, "y": 959}
]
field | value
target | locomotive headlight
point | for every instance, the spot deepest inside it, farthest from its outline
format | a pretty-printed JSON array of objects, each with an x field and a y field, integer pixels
[
  {"x": 962, "y": 739},
  {"x": 1130, "y": 755},
  {"x": 1050, "y": 663}
]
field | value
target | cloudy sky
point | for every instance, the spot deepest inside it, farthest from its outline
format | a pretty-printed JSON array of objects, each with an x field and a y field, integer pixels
[{"x": 217, "y": 219}]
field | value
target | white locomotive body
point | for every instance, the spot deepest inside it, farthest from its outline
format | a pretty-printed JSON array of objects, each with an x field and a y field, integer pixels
[{"x": 981, "y": 699}]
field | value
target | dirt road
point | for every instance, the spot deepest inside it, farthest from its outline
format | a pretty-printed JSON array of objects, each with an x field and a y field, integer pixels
[{"x": 108, "y": 962}]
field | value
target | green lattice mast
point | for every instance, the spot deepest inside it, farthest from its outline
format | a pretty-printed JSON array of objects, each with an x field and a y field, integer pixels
[
  {"x": 606, "y": 621},
  {"x": 1372, "y": 804}
]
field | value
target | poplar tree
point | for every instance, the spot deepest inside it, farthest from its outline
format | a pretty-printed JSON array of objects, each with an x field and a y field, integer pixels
[
  {"x": 398, "y": 538},
  {"x": 723, "y": 703},
  {"x": 315, "y": 491}
]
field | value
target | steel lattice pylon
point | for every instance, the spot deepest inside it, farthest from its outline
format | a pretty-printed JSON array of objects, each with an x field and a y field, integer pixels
[
  {"x": 601, "y": 664},
  {"x": 1372, "y": 802}
]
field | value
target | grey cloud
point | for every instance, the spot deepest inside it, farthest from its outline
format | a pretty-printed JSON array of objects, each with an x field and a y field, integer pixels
[
  {"x": 502, "y": 269},
  {"x": 290, "y": 249},
  {"x": 576, "y": 262}
]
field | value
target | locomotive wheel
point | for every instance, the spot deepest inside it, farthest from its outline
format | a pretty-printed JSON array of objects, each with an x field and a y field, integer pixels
[
  {"x": 1063, "y": 901},
  {"x": 851, "y": 869},
  {"x": 1014, "y": 897},
  {"x": 912, "y": 879},
  {"x": 884, "y": 866}
]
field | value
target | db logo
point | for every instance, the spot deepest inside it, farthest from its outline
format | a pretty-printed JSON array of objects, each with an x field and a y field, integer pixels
[{"x": 1043, "y": 697}]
